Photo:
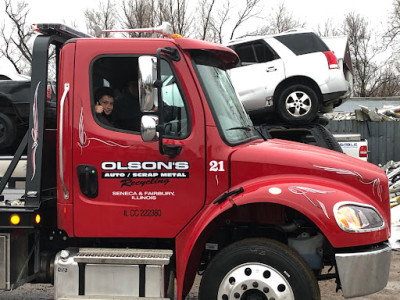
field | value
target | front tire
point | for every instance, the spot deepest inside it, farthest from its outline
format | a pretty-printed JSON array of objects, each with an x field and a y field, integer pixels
[
  {"x": 258, "y": 269},
  {"x": 297, "y": 104}
]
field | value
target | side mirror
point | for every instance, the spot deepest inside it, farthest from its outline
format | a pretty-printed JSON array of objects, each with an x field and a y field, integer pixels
[
  {"x": 147, "y": 76},
  {"x": 149, "y": 128}
]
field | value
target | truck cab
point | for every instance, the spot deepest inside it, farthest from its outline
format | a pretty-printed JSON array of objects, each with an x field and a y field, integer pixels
[{"x": 196, "y": 189}]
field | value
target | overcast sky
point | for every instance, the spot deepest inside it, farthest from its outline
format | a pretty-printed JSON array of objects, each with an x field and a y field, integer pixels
[{"x": 312, "y": 12}]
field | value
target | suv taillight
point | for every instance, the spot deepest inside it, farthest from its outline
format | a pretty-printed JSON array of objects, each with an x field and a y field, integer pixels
[
  {"x": 332, "y": 61},
  {"x": 363, "y": 151}
]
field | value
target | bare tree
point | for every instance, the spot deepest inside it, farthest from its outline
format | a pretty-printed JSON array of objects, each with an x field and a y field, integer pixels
[
  {"x": 279, "y": 21},
  {"x": 182, "y": 18},
  {"x": 362, "y": 51},
  {"x": 393, "y": 32},
  {"x": 388, "y": 82},
  {"x": 247, "y": 13},
  {"x": 371, "y": 76},
  {"x": 15, "y": 37},
  {"x": 103, "y": 17},
  {"x": 215, "y": 17},
  {"x": 223, "y": 17},
  {"x": 178, "y": 16},
  {"x": 174, "y": 12},
  {"x": 140, "y": 14},
  {"x": 206, "y": 9},
  {"x": 137, "y": 13},
  {"x": 329, "y": 29}
]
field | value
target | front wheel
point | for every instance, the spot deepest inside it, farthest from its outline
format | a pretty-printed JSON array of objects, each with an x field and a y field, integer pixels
[
  {"x": 258, "y": 269},
  {"x": 297, "y": 104}
]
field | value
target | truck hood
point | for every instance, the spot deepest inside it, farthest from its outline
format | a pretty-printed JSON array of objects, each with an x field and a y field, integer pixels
[{"x": 284, "y": 159}]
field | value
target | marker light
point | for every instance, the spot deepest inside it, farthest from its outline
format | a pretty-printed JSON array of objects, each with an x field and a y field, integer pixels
[
  {"x": 35, "y": 28},
  {"x": 355, "y": 217},
  {"x": 176, "y": 36},
  {"x": 15, "y": 219},
  {"x": 38, "y": 219}
]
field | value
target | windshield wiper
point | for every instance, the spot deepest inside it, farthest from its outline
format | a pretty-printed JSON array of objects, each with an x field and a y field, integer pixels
[{"x": 247, "y": 128}]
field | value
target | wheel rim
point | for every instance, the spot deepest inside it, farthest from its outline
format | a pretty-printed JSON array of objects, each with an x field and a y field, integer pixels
[
  {"x": 254, "y": 281},
  {"x": 298, "y": 103}
]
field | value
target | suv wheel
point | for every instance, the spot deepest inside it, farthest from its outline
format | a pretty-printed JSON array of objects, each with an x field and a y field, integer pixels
[
  {"x": 297, "y": 104},
  {"x": 8, "y": 131}
]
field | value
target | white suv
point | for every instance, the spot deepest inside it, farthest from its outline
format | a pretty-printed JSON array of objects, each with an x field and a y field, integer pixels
[{"x": 293, "y": 74}]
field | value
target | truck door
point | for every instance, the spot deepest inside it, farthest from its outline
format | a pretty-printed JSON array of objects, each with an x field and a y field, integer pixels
[{"x": 124, "y": 187}]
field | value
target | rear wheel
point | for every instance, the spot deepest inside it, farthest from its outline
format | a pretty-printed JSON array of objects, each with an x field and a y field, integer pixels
[
  {"x": 297, "y": 104},
  {"x": 8, "y": 131},
  {"x": 258, "y": 269}
]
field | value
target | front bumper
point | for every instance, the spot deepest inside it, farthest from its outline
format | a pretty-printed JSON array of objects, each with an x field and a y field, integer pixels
[{"x": 364, "y": 273}]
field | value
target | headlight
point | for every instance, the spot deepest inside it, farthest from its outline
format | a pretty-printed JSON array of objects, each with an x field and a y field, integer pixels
[{"x": 356, "y": 217}]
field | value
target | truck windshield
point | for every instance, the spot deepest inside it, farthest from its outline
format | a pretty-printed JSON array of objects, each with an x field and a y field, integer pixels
[{"x": 234, "y": 124}]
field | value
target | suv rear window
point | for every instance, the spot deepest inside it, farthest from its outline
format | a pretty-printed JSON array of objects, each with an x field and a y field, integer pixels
[{"x": 303, "y": 43}]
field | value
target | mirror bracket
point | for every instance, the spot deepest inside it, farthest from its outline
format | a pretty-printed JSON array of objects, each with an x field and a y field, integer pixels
[
  {"x": 172, "y": 53},
  {"x": 172, "y": 150},
  {"x": 158, "y": 84}
]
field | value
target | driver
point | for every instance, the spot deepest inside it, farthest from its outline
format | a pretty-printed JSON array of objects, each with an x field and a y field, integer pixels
[{"x": 104, "y": 106}]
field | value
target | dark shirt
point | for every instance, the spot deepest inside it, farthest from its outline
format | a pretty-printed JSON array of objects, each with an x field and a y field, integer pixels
[
  {"x": 127, "y": 111},
  {"x": 107, "y": 120}
]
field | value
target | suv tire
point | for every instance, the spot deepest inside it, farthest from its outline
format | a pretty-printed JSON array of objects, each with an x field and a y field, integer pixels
[
  {"x": 8, "y": 131},
  {"x": 297, "y": 104}
]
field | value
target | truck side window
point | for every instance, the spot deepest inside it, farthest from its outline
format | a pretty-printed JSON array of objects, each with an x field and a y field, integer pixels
[
  {"x": 119, "y": 75},
  {"x": 175, "y": 114}
]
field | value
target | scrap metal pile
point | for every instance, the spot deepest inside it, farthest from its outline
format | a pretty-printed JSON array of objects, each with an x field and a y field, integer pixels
[
  {"x": 392, "y": 170},
  {"x": 366, "y": 114}
]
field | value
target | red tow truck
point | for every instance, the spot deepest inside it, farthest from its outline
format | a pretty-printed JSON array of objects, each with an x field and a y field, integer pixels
[{"x": 110, "y": 211}]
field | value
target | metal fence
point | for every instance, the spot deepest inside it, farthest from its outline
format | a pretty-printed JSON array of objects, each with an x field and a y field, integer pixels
[{"x": 383, "y": 137}]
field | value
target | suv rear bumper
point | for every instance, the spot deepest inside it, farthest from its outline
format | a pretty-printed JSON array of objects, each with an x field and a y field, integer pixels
[
  {"x": 333, "y": 97},
  {"x": 364, "y": 273}
]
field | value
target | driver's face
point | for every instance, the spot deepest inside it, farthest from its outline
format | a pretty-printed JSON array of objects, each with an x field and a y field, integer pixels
[{"x": 107, "y": 103}]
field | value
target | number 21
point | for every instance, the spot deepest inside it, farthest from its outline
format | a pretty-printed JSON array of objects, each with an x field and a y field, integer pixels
[{"x": 216, "y": 166}]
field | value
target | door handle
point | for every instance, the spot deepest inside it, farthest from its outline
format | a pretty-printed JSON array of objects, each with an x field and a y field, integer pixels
[
  {"x": 271, "y": 69},
  {"x": 88, "y": 182},
  {"x": 60, "y": 141}
]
